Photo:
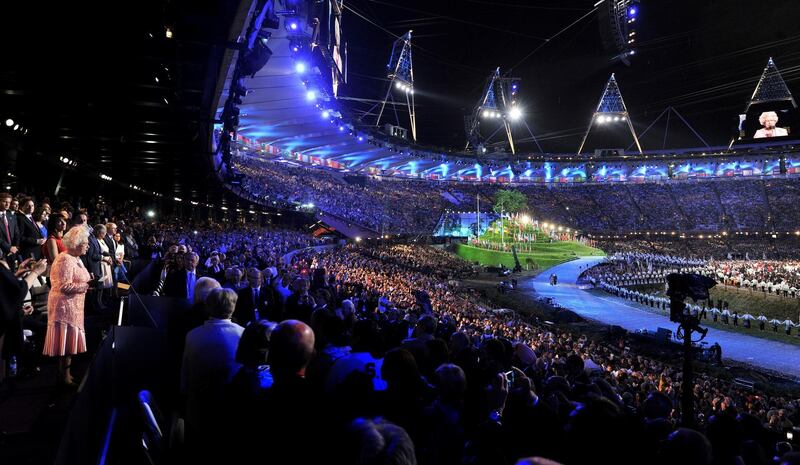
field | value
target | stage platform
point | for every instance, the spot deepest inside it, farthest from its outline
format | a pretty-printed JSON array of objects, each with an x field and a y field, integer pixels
[{"x": 764, "y": 353}]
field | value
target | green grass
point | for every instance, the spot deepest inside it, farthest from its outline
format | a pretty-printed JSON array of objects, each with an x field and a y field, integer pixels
[{"x": 543, "y": 256}]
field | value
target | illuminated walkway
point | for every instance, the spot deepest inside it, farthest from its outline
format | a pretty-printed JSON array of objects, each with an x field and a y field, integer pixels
[{"x": 608, "y": 309}]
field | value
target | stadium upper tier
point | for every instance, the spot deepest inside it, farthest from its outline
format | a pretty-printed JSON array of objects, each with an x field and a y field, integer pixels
[{"x": 390, "y": 205}]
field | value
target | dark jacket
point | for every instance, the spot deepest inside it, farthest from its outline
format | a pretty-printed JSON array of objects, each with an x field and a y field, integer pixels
[
  {"x": 5, "y": 245},
  {"x": 12, "y": 293},
  {"x": 29, "y": 233},
  {"x": 175, "y": 283},
  {"x": 245, "y": 306},
  {"x": 93, "y": 258}
]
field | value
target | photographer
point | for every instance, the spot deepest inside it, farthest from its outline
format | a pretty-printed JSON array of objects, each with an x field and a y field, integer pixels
[{"x": 13, "y": 288}]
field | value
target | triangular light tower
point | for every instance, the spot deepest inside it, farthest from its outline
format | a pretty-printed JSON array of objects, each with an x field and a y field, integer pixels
[
  {"x": 771, "y": 87},
  {"x": 498, "y": 101},
  {"x": 400, "y": 72},
  {"x": 611, "y": 109}
]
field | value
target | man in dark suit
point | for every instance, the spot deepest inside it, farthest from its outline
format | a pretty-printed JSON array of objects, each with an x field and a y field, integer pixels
[
  {"x": 180, "y": 283},
  {"x": 30, "y": 237},
  {"x": 111, "y": 231},
  {"x": 255, "y": 301},
  {"x": 9, "y": 235},
  {"x": 93, "y": 257}
]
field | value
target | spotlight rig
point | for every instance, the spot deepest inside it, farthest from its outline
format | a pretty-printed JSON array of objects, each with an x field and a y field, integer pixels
[{"x": 498, "y": 102}]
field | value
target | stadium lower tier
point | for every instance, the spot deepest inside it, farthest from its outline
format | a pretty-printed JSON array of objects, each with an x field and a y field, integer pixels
[
  {"x": 758, "y": 204},
  {"x": 718, "y": 247}
]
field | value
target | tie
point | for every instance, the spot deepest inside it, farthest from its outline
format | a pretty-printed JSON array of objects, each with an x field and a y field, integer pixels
[
  {"x": 5, "y": 223},
  {"x": 256, "y": 316},
  {"x": 190, "y": 285}
]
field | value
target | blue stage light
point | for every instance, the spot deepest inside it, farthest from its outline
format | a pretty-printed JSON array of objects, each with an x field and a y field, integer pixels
[
  {"x": 360, "y": 139},
  {"x": 632, "y": 11},
  {"x": 311, "y": 95},
  {"x": 300, "y": 67},
  {"x": 341, "y": 128},
  {"x": 326, "y": 114},
  {"x": 293, "y": 26}
]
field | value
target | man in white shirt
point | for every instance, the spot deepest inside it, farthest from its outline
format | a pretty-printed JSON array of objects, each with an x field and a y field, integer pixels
[{"x": 209, "y": 364}]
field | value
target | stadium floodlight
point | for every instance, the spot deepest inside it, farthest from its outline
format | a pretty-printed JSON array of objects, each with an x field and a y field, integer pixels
[
  {"x": 515, "y": 113},
  {"x": 400, "y": 72}
]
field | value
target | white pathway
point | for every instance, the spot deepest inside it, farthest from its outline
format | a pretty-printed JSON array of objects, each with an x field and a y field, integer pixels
[{"x": 608, "y": 309}]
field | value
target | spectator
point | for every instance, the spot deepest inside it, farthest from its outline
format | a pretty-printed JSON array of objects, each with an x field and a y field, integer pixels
[
  {"x": 66, "y": 335},
  {"x": 209, "y": 364}
]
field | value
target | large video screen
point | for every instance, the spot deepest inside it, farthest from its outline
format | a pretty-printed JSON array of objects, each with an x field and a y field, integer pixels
[{"x": 767, "y": 121}]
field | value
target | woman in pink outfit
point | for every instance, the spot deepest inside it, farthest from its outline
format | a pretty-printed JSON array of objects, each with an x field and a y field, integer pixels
[{"x": 69, "y": 282}]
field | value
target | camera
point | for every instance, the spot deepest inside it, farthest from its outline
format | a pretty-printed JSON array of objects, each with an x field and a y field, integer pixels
[{"x": 681, "y": 286}]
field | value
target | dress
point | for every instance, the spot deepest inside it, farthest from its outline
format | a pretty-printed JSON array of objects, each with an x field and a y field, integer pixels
[
  {"x": 65, "y": 332},
  {"x": 46, "y": 252}
]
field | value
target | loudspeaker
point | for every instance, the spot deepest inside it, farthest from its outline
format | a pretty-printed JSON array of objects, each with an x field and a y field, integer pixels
[{"x": 258, "y": 56}]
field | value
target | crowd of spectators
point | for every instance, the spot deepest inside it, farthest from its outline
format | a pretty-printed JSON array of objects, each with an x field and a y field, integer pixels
[
  {"x": 415, "y": 206},
  {"x": 382, "y": 354},
  {"x": 383, "y": 206},
  {"x": 773, "y": 277},
  {"x": 396, "y": 340},
  {"x": 752, "y": 247}
]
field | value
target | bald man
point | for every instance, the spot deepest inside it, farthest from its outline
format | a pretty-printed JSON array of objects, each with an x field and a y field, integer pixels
[
  {"x": 290, "y": 412},
  {"x": 291, "y": 349}
]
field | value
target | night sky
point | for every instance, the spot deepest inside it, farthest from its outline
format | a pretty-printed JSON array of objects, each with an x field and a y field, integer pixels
[{"x": 704, "y": 58}]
